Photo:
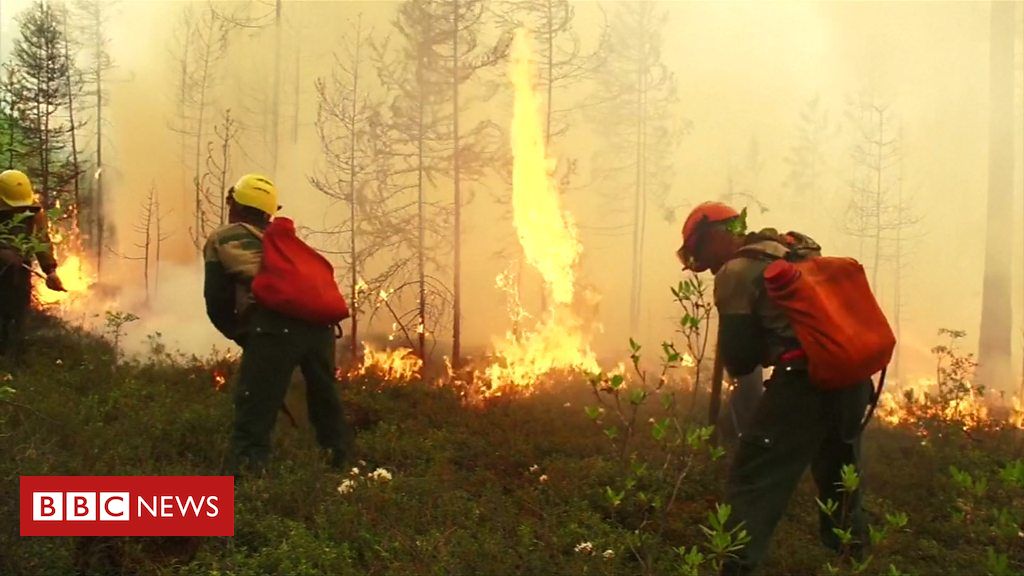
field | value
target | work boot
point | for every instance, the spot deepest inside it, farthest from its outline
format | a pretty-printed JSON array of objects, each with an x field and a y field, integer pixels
[
  {"x": 735, "y": 568},
  {"x": 337, "y": 458}
]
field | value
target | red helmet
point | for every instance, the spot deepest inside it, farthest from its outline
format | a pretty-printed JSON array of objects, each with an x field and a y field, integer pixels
[{"x": 703, "y": 214}]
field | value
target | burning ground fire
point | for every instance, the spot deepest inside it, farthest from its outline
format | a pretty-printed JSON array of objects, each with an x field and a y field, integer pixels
[
  {"x": 75, "y": 271},
  {"x": 557, "y": 340},
  {"x": 922, "y": 401},
  {"x": 399, "y": 364},
  {"x": 547, "y": 235}
]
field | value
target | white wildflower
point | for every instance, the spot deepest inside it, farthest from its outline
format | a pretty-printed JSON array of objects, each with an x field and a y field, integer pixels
[
  {"x": 567, "y": 405},
  {"x": 608, "y": 554},
  {"x": 585, "y": 548},
  {"x": 60, "y": 362},
  {"x": 543, "y": 478},
  {"x": 354, "y": 472},
  {"x": 380, "y": 475},
  {"x": 346, "y": 487},
  {"x": 534, "y": 468}
]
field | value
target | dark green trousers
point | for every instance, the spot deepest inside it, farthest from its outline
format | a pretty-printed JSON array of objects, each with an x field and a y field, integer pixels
[
  {"x": 795, "y": 426},
  {"x": 273, "y": 347}
]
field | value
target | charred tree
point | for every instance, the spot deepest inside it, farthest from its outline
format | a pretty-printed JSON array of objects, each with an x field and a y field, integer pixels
[
  {"x": 994, "y": 343},
  {"x": 202, "y": 42},
  {"x": 634, "y": 107},
  {"x": 357, "y": 173},
  {"x": 420, "y": 120},
  {"x": 91, "y": 17}
]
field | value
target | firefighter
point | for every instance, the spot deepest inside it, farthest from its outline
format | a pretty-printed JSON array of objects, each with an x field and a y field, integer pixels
[
  {"x": 795, "y": 425},
  {"x": 24, "y": 232},
  {"x": 273, "y": 345}
]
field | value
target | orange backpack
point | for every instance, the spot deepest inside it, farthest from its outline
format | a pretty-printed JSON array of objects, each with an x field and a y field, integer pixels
[
  {"x": 835, "y": 316},
  {"x": 295, "y": 280}
]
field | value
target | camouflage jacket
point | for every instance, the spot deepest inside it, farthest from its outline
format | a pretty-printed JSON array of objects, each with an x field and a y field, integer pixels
[
  {"x": 752, "y": 330},
  {"x": 232, "y": 255},
  {"x": 33, "y": 224}
]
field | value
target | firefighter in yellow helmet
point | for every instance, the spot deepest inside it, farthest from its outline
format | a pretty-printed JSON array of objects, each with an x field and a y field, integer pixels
[
  {"x": 23, "y": 234},
  {"x": 272, "y": 345}
]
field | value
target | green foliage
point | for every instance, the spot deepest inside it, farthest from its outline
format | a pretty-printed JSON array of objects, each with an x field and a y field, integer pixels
[
  {"x": 509, "y": 488},
  {"x": 722, "y": 541},
  {"x": 115, "y": 323},
  {"x": 851, "y": 558},
  {"x": 994, "y": 499},
  {"x": 651, "y": 479},
  {"x": 38, "y": 89}
]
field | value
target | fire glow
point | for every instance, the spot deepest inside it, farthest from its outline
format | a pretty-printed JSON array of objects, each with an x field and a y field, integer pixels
[
  {"x": 74, "y": 271},
  {"x": 547, "y": 235},
  {"x": 911, "y": 404},
  {"x": 400, "y": 364}
]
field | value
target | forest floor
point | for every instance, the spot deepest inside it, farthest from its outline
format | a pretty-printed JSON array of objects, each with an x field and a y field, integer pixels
[{"x": 513, "y": 486}]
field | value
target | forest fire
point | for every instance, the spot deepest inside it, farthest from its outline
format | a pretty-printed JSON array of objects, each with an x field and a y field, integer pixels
[
  {"x": 926, "y": 401},
  {"x": 219, "y": 380},
  {"x": 547, "y": 235},
  {"x": 73, "y": 269},
  {"x": 399, "y": 364}
]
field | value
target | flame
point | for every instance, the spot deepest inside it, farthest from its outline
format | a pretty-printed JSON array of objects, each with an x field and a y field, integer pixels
[
  {"x": 922, "y": 401},
  {"x": 547, "y": 235},
  {"x": 219, "y": 380},
  {"x": 1017, "y": 415},
  {"x": 399, "y": 364},
  {"x": 75, "y": 275},
  {"x": 74, "y": 270}
]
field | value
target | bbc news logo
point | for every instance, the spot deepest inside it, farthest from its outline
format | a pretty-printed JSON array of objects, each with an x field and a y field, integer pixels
[{"x": 127, "y": 505}]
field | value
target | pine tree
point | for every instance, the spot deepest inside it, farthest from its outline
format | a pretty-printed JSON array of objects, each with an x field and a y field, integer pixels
[{"x": 41, "y": 73}]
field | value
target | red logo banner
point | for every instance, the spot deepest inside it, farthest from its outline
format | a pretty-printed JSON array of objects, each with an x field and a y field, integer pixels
[{"x": 127, "y": 505}]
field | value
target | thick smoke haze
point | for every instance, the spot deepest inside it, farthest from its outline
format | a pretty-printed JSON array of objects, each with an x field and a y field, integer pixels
[{"x": 745, "y": 74}]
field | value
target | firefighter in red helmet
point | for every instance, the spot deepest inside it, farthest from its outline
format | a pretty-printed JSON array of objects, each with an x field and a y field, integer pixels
[{"x": 795, "y": 425}]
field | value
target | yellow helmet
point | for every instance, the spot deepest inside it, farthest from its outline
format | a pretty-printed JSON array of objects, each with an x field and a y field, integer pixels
[
  {"x": 257, "y": 192},
  {"x": 15, "y": 189}
]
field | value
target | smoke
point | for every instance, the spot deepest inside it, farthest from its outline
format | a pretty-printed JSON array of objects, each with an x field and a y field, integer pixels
[{"x": 745, "y": 72}]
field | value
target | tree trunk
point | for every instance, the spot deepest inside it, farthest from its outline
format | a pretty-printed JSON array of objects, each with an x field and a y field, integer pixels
[
  {"x": 100, "y": 221},
  {"x": 457, "y": 232},
  {"x": 354, "y": 268},
  {"x": 898, "y": 287},
  {"x": 638, "y": 200},
  {"x": 551, "y": 73},
  {"x": 156, "y": 260},
  {"x": 71, "y": 120},
  {"x": 994, "y": 342},
  {"x": 276, "y": 96},
  {"x": 878, "y": 197},
  {"x": 204, "y": 81},
  {"x": 421, "y": 330},
  {"x": 298, "y": 78},
  {"x": 149, "y": 228}
]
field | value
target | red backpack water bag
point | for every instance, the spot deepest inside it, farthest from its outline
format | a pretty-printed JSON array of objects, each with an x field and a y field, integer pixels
[
  {"x": 295, "y": 280},
  {"x": 835, "y": 316}
]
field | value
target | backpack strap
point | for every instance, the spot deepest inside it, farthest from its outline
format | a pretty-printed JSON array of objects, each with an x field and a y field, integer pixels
[
  {"x": 770, "y": 246},
  {"x": 252, "y": 229}
]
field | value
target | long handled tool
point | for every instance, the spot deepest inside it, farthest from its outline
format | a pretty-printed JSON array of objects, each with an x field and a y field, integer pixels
[
  {"x": 34, "y": 271},
  {"x": 40, "y": 274},
  {"x": 717, "y": 374}
]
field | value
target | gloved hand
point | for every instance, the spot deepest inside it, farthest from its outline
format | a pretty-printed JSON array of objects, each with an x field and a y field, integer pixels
[{"x": 54, "y": 283}]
